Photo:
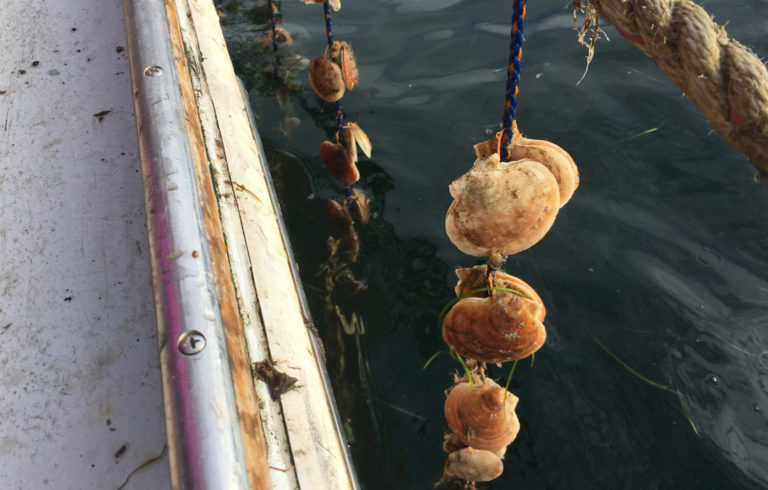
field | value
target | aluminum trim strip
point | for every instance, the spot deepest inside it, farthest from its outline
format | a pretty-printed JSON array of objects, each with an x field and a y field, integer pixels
[{"x": 205, "y": 444}]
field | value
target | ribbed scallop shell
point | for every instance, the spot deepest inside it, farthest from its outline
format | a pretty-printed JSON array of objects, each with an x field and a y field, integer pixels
[
  {"x": 499, "y": 328},
  {"x": 478, "y": 416},
  {"x": 501, "y": 207},
  {"x": 471, "y": 464},
  {"x": 477, "y": 278}
]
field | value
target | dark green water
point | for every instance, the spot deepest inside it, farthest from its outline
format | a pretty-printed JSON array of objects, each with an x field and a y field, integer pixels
[{"x": 660, "y": 255}]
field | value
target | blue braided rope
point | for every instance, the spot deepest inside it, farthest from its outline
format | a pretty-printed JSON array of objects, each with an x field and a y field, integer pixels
[
  {"x": 329, "y": 32},
  {"x": 273, "y": 24},
  {"x": 328, "y": 25},
  {"x": 340, "y": 121},
  {"x": 513, "y": 75}
]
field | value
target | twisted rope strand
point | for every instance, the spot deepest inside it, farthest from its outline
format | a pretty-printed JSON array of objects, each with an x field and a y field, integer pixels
[
  {"x": 513, "y": 76},
  {"x": 724, "y": 78},
  {"x": 329, "y": 32}
]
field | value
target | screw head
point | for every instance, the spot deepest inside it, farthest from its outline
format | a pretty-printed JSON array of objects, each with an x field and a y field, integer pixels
[
  {"x": 153, "y": 71},
  {"x": 191, "y": 343}
]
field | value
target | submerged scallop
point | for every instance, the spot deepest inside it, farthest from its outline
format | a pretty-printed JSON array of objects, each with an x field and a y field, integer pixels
[
  {"x": 505, "y": 326},
  {"x": 501, "y": 207},
  {"x": 339, "y": 162}
]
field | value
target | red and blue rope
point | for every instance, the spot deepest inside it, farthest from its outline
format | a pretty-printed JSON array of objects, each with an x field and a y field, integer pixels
[
  {"x": 509, "y": 126},
  {"x": 329, "y": 32}
]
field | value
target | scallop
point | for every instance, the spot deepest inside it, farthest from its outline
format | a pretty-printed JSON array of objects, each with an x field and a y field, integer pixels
[
  {"x": 348, "y": 66},
  {"x": 477, "y": 278},
  {"x": 503, "y": 327},
  {"x": 340, "y": 217},
  {"x": 471, "y": 464},
  {"x": 557, "y": 161},
  {"x": 337, "y": 161},
  {"x": 482, "y": 415},
  {"x": 501, "y": 207},
  {"x": 325, "y": 77}
]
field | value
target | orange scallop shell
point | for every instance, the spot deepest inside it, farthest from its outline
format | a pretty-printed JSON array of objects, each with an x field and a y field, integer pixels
[
  {"x": 337, "y": 161},
  {"x": 348, "y": 66},
  {"x": 325, "y": 77},
  {"x": 471, "y": 464},
  {"x": 340, "y": 216},
  {"x": 500, "y": 328},
  {"x": 361, "y": 206},
  {"x": 478, "y": 415},
  {"x": 501, "y": 207},
  {"x": 477, "y": 278}
]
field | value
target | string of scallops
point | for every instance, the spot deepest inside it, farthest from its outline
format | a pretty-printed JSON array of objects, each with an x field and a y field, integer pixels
[
  {"x": 503, "y": 205},
  {"x": 330, "y": 75}
]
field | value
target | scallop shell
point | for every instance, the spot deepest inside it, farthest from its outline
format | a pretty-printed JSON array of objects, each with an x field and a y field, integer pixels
[
  {"x": 348, "y": 66},
  {"x": 337, "y": 161},
  {"x": 478, "y": 415},
  {"x": 476, "y": 278},
  {"x": 361, "y": 206},
  {"x": 501, "y": 207},
  {"x": 451, "y": 443},
  {"x": 325, "y": 77},
  {"x": 349, "y": 144},
  {"x": 500, "y": 328},
  {"x": 471, "y": 464},
  {"x": 557, "y": 160},
  {"x": 360, "y": 138},
  {"x": 340, "y": 217},
  {"x": 283, "y": 36}
]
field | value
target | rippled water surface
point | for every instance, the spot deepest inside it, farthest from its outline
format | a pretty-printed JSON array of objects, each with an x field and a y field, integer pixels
[{"x": 659, "y": 258}]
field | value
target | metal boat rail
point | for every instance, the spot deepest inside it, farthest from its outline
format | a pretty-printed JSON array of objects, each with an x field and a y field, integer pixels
[{"x": 226, "y": 291}]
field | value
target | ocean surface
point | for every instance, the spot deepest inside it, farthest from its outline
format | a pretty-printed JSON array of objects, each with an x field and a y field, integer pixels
[{"x": 654, "y": 276}]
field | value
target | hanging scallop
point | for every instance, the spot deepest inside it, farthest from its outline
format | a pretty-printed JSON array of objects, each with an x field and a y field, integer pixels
[
  {"x": 557, "y": 161},
  {"x": 482, "y": 415},
  {"x": 326, "y": 79},
  {"x": 469, "y": 464},
  {"x": 505, "y": 326},
  {"x": 501, "y": 207}
]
